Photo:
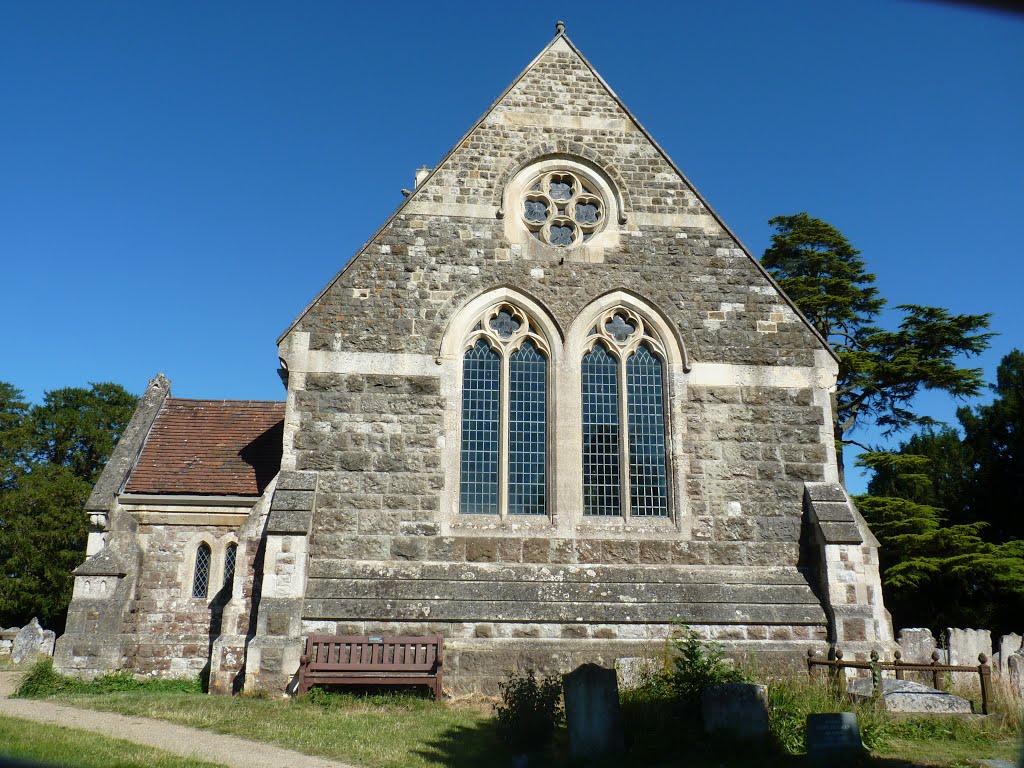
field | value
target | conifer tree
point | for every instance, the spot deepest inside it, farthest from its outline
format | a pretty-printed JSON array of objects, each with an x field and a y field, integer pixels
[{"x": 880, "y": 370}]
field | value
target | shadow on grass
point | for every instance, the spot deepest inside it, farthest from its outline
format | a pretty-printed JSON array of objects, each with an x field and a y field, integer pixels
[{"x": 659, "y": 742}]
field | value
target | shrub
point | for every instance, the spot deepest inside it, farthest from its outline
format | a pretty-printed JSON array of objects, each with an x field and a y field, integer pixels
[
  {"x": 530, "y": 710},
  {"x": 696, "y": 664}
]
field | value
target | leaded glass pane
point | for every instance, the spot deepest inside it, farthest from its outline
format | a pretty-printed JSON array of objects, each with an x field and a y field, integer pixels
[
  {"x": 201, "y": 580},
  {"x": 504, "y": 324},
  {"x": 586, "y": 213},
  {"x": 648, "y": 479},
  {"x": 536, "y": 211},
  {"x": 620, "y": 329},
  {"x": 229, "y": 567},
  {"x": 479, "y": 481},
  {"x": 600, "y": 433},
  {"x": 561, "y": 235},
  {"x": 527, "y": 431},
  {"x": 561, "y": 190}
]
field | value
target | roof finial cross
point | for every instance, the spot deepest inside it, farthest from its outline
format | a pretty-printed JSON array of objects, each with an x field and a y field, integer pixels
[{"x": 559, "y": 27}]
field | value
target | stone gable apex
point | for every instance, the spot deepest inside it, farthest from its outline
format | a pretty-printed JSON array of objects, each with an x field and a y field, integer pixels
[{"x": 558, "y": 106}]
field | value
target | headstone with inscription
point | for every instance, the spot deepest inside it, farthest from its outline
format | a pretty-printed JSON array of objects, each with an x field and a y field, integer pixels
[
  {"x": 592, "y": 712},
  {"x": 833, "y": 738}
]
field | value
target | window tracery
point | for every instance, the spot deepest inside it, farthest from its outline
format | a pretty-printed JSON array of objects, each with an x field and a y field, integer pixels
[
  {"x": 504, "y": 416},
  {"x": 562, "y": 208}
]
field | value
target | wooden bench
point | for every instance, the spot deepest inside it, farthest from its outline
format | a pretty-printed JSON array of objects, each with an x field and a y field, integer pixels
[{"x": 371, "y": 660}]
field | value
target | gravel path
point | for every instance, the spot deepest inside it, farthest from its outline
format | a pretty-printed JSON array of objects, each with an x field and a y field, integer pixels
[{"x": 177, "y": 739}]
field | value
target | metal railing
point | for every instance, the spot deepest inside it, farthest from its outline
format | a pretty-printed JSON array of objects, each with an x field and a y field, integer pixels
[{"x": 900, "y": 667}]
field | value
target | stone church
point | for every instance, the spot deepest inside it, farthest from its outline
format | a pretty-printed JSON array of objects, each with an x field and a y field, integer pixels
[{"x": 551, "y": 410}]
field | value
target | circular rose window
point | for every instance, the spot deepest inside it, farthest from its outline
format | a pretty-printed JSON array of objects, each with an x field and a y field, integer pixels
[{"x": 561, "y": 209}]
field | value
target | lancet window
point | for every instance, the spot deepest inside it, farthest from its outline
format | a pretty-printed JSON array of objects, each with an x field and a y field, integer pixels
[
  {"x": 201, "y": 574},
  {"x": 504, "y": 416},
  {"x": 624, "y": 459}
]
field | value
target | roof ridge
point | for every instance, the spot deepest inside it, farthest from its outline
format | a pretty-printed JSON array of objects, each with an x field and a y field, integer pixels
[{"x": 223, "y": 401}]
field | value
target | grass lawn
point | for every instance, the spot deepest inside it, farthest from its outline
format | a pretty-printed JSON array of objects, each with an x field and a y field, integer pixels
[
  {"x": 376, "y": 731},
  {"x": 409, "y": 731},
  {"x": 59, "y": 746}
]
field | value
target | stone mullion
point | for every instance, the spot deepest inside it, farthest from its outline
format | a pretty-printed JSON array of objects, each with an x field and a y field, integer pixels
[
  {"x": 624, "y": 478},
  {"x": 504, "y": 409}
]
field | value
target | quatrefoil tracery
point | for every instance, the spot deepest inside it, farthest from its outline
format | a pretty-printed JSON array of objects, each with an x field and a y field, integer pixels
[
  {"x": 621, "y": 331},
  {"x": 505, "y": 327}
]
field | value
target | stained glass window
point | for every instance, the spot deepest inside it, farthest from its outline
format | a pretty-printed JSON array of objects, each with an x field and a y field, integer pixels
[
  {"x": 624, "y": 436},
  {"x": 504, "y": 417},
  {"x": 601, "y": 486},
  {"x": 201, "y": 580},
  {"x": 480, "y": 380},
  {"x": 648, "y": 480},
  {"x": 229, "y": 567},
  {"x": 562, "y": 209},
  {"x": 527, "y": 434}
]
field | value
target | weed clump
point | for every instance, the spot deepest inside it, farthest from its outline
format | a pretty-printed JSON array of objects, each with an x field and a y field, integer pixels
[
  {"x": 530, "y": 710},
  {"x": 43, "y": 680}
]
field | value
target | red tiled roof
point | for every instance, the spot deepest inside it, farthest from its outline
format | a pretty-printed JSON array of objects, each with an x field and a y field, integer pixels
[{"x": 211, "y": 447}]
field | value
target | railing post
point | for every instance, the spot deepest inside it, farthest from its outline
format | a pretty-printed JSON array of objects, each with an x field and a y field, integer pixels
[
  {"x": 897, "y": 661},
  {"x": 810, "y": 662},
  {"x": 876, "y": 677},
  {"x": 840, "y": 673},
  {"x": 985, "y": 672},
  {"x": 936, "y": 674}
]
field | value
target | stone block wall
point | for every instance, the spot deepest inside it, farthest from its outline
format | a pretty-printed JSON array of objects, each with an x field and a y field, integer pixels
[{"x": 172, "y": 631}]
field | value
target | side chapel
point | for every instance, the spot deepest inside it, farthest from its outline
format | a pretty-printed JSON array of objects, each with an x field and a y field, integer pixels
[{"x": 551, "y": 409}]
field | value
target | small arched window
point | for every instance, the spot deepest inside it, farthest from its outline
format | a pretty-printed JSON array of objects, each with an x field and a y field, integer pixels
[
  {"x": 624, "y": 461},
  {"x": 201, "y": 578},
  {"x": 229, "y": 568},
  {"x": 504, "y": 416}
]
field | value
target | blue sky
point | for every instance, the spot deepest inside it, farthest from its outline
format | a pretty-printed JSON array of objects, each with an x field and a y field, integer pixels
[{"x": 178, "y": 180}]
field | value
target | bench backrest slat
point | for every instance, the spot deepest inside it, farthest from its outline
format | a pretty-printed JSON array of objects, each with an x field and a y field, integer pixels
[{"x": 359, "y": 653}]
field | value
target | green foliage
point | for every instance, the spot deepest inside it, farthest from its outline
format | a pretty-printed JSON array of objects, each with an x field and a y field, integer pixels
[
  {"x": 530, "y": 710},
  {"x": 43, "y": 681},
  {"x": 697, "y": 664},
  {"x": 946, "y": 511},
  {"x": 880, "y": 370},
  {"x": 13, "y": 433},
  {"x": 994, "y": 440},
  {"x": 50, "y": 454},
  {"x": 77, "y": 428},
  {"x": 43, "y": 532}
]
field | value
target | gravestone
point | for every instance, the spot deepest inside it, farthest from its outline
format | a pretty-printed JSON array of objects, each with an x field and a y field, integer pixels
[
  {"x": 908, "y": 697},
  {"x": 1008, "y": 645},
  {"x": 916, "y": 645},
  {"x": 592, "y": 712},
  {"x": 833, "y": 738},
  {"x": 1015, "y": 670},
  {"x": 29, "y": 642},
  {"x": 633, "y": 670},
  {"x": 736, "y": 709},
  {"x": 964, "y": 646}
]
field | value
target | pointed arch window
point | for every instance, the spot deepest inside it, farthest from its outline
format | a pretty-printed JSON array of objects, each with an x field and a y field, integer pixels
[
  {"x": 230, "y": 554},
  {"x": 201, "y": 574},
  {"x": 624, "y": 444},
  {"x": 504, "y": 416}
]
